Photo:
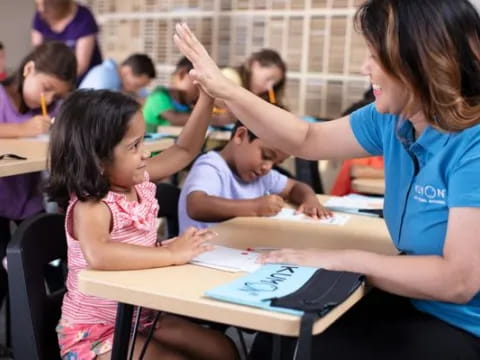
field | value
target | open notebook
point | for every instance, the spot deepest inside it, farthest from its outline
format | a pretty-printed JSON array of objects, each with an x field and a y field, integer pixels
[
  {"x": 291, "y": 215},
  {"x": 228, "y": 259}
]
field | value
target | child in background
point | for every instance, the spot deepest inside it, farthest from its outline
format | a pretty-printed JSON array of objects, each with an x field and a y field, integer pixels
[
  {"x": 100, "y": 168},
  {"x": 49, "y": 71},
  {"x": 239, "y": 181},
  {"x": 130, "y": 77},
  {"x": 3, "y": 73},
  {"x": 264, "y": 73},
  {"x": 171, "y": 106}
]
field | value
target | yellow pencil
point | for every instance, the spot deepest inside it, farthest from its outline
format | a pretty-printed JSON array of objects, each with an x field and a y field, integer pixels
[
  {"x": 217, "y": 110},
  {"x": 43, "y": 104},
  {"x": 271, "y": 96}
]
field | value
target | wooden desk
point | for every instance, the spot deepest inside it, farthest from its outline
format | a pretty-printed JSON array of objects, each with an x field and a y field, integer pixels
[
  {"x": 36, "y": 153},
  {"x": 180, "y": 289},
  {"x": 360, "y": 232},
  {"x": 34, "y": 150},
  {"x": 369, "y": 186}
]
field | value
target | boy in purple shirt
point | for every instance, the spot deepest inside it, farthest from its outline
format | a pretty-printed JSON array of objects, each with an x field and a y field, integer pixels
[{"x": 239, "y": 181}]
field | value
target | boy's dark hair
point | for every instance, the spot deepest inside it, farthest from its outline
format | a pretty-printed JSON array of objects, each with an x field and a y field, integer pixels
[
  {"x": 88, "y": 127},
  {"x": 183, "y": 65},
  {"x": 1, "y": 45},
  {"x": 141, "y": 64},
  {"x": 251, "y": 135},
  {"x": 52, "y": 58}
]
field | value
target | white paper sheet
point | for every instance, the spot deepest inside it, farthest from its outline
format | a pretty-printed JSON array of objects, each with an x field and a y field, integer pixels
[
  {"x": 289, "y": 214},
  {"x": 354, "y": 201},
  {"x": 228, "y": 259},
  {"x": 41, "y": 137}
]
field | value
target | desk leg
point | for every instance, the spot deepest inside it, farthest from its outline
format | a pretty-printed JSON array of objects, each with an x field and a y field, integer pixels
[
  {"x": 123, "y": 327},
  {"x": 277, "y": 347}
]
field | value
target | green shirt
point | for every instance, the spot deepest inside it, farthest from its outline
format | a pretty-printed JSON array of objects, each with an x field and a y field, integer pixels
[{"x": 158, "y": 102}]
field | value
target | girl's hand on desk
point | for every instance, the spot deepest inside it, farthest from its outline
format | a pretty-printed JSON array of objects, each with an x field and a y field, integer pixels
[
  {"x": 314, "y": 209},
  {"x": 37, "y": 125},
  {"x": 326, "y": 259},
  {"x": 268, "y": 205},
  {"x": 189, "y": 244}
]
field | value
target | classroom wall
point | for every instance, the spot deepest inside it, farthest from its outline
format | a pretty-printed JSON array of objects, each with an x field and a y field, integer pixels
[
  {"x": 316, "y": 37},
  {"x": 15, "y": 24}
]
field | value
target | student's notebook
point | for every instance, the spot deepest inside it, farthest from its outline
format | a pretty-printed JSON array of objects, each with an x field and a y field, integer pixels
[
  {"x": 291, "y": 215},
  {"x": 228, "y": 259},
  {"x": 357, "y": 204},
  {"x": 270, "y": 281}
]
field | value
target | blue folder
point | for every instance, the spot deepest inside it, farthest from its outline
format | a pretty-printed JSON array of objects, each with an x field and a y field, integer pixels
[{"x": 270, "y": 281}]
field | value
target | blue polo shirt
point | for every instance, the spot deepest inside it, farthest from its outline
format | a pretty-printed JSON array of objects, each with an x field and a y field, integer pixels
[{"x": 423, "y": 179}]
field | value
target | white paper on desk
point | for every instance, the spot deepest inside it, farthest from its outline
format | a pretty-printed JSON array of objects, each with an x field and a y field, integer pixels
[
  {"x": 228, "y": 259},
  {"x": 41, "y": 137},
  {"x": 291, "y": 215},
  {"x": 354, "y": 201}
]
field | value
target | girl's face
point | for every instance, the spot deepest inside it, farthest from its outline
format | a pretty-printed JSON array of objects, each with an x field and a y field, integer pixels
[
  {"x": 35, "y": 83},
  {"x": 390, "y": 95},
  {"x": 129, "y": 157},
  {"x": 264, "y": 78}
]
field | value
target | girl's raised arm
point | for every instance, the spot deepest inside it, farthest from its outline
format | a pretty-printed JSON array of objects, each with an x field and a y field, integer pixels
[{"x": 188, "y": 144}]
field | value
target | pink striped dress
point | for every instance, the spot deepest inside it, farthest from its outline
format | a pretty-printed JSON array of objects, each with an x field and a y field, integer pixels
[{"x": 87, "y": 322}]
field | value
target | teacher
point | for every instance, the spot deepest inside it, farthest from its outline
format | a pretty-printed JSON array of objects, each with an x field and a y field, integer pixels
[{"x": 424, "y": 66}]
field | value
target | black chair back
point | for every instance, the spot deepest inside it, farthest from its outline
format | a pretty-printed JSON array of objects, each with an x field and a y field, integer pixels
[
  {"x": 167, "y": 196},
  {"x": 35, "y": 310}
]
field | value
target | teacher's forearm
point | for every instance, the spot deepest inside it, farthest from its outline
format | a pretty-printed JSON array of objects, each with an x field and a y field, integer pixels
[
  {"x": 272, "y": 124},
  {"x": 420, "y": 277}
]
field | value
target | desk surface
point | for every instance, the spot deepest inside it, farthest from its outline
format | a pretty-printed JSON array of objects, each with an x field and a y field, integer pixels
[
  {"x": 369, "y": 186},
  {"x": 360, "y": 232},
  {"x": 180, "y": 289},
  {"x": 36, "y": 153}
]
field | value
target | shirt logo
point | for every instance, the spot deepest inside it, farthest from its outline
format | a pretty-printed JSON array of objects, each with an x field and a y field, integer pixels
[{"x": 430, "y": 194}]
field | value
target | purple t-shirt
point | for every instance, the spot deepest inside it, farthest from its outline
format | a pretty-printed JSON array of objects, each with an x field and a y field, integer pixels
[
  {"x": 212, "y": 175},
  {"x": 82, "y": 24},
  {"x": 19, "y": 195}
]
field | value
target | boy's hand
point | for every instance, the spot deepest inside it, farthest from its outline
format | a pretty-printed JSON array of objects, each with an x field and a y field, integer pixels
[
  {"x": 269, "y": 205},
  {"x": 189, "y": 244},
  {"x": 312, "y": 207}
]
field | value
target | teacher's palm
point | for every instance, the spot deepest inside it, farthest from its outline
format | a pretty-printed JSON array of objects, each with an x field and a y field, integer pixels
[{"x": 205, "y": 72}]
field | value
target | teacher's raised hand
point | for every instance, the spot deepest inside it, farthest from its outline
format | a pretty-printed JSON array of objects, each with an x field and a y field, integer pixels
[{"x": 205, "y": 72}]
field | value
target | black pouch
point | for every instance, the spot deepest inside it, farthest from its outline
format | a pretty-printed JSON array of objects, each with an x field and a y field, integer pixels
[{"x": 321, "y": 293}]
